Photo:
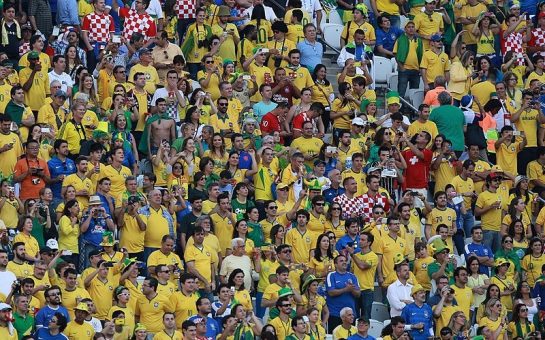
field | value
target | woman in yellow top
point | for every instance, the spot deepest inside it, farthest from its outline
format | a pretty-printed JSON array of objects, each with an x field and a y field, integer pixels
[
  {"x": 69, "y": 230},
  {"x": 10, "y": 205},
  {"x": 477, "y": 282},
  {"x": 69, "y": 194},
  {"x": 484, "y": 30},
  {"x": 511, "y": 67},
  {"x": 241, "y": 231},
  {"x": 493, "y": 319},
  {"x": 238, "y": 175},
  {"x": 461, "y": 72},
  {"x": 186, "y": 156},
  {"x": 343, "y": 110},
  {"x": 516, "y": 211},
  {"x": 322, "y": 90},
  {"x": 195, "y": 45},
  {"x": 533, "y": 261},
  {"x": 159, "y": 162},
  {"x": 521, "y": 190},
  {"x": 31, "y": 244},
  {"x": 459, "y": 325},
  {"x": 45, "y": 139},
  {"x": 209, "y": 77},
  {"x": 520, "y": 326},
  {"x": 242, "y": 295},
  {"x": 321, "y": 259},
  {"x": 217, "y": 153},
  {"x": 178, "y": 178},
  {"x": 492, "y": 292},
  {"x": 333, "y": 221},
  {"x": 311, "y": 299},
  {"x": 443, "y": 166},
  {"x": 263, "y": 27},
  {"x": 87, "y": 86},
  {"x": 205, "y": 107},
  {"x": 506, "y": 284},
  {"x": 315, "y": 328},
  {"x": 277, "y": 235}
]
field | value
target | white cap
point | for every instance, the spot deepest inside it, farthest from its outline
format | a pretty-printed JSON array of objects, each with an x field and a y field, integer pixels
[
  {"x": 4, "y": 306},
  {"x": 358, "y": 121},
  {"x": 52, "y": 243}
]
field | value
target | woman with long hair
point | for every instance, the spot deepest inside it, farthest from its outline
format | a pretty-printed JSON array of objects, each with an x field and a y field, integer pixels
[
  {"x": 72, "y": 60},
  {"x": 246, "y": 328},
  {"x": 343, "y": 110},
  {"x": 533, "y": 261},
  {"x": 477, "y": 282},
  {"x": 277, "y": 235},
  {"x": 304, "y": 106},
  {"x": 193, "y": 116},
  {"x": 87, "y": 86},
  {"x": 486, "y": 28},
  {"x": 333, "y": 221},
  {"x": 206, "y": 166},
  {"x": 315, "y": 328},
  {"x": 186, "y": 157},
  {"x": 514, "y": 68},
  {"x": 322, "y": 91},
  {"x": 460, "y": 76},
  {"x": 520, "y": 241},
  {"x": 178, "y": 178},
  {"x": 205, "y": 106},
  {"x": 494, "y": 320},
  {"x": 118, "y": 108},
  {"x": 485, "y": 68},
  {"x": 69, "y": 194},
  {"x": 122, "y": 297},
  {"x": 321, "y": 260},
  {"x": 217, "y": 153},
  {"x": 311, "y": 298},
  {"x": 237, "y": 174},
  {"x": 516, "y": 211},
  {"x": 25, "y": 236},
  {"x": 507, "y": 252},
  {"x": 242, "y": 295},
  {"x": 459, "y": 325},
  {"x": 492, "y": 292},
  {"x": 241, "y": 231},
  {"x": 523, "y": 296},
  {"x": 198, "y": 33},
  {"x": 521, "y": 190},
  {"x": 41, "y": 220},
  {"x": 383, "y": 137},
  {"x": 121, "y": 129},
  {"x": 69, "y": 225},
  {"x": 506, "y": 284},
  {"x": 520, "y": 324},
  {"x": 228, "y": 70},
  {"x": 262, "y": 25},
  {"x": 10, "y": 205},
  {"x": 268, "y": 267},
  {"x": 330, "y": 156}
]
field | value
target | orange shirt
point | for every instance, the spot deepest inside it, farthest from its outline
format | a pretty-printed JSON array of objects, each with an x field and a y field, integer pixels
[{"x": 31, "y": 184}]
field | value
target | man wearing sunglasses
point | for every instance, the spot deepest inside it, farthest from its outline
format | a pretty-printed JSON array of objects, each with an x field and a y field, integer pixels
[{"x": 489, "y": 208}]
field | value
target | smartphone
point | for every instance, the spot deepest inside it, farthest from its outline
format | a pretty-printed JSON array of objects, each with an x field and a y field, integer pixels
[
  {"x": 246, "y": 77},
  {"x": 66, "y": 252},
  {"x": 516, "y": 133},
  {"x": 13, "y": 126},
  {"x": 45, "y": 130},
  {"x": 414, "y": 193},
  {"x": 119, "y": 322},
  {"x": 331, "y": 149},
  {"x": 384, "y": 220},
  {"x": 457, "y": 200},
  {"x": 108, "y": 264},
  {"x": 233, "y": 289},
  {"x": 116, "y": 39},
  {"x": 264, "y": 50},
  {"x": 56, "y": 31}
]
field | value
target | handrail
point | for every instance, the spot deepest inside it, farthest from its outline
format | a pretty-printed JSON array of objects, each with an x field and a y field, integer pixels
[
  {"x": 328, "y": 45},
  {"x": 281, "y": 7}
]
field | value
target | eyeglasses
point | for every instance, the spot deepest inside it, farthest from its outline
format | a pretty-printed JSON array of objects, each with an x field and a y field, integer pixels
[
  {"x": 287, "y": 251},
  {"x": 320, "y": 204},
  {"x": 524, "y": 309},
  {"x": 223, "y": 104},
  {"x": 209, "y": 61},
  {"x": 177, "y": 168},
  {"x": 53, "y": 321},
  {"x": 336, "y": 208},
  {"x": 122, "y": 71},
  {"x": 165, "y": 271},
  {"x": 332, "y": 237},
  {"x": 286, "y": 305},
  {"x": 273, "y": 207},
  {"x": 378, "y": 212},
  {"x": 508, "y": 241}
]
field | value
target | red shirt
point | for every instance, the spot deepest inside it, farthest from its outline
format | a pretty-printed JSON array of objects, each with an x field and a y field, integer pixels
[
  {"x": 269, "y": 124},
  {"x": 31, "y": 185},
  {"x": 417, "y": 173},
  {"x": 284, "y": 95},
  {"x": 299, "y": 120}
]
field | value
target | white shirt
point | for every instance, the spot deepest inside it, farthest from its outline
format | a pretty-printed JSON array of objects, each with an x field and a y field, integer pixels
[
  {"x": 6, "y": 280},
  {"x": 63, "y": 78},
  {"x": 397, "y": 292},
  {"x": 154, "y": 9},
  {"x": 310, "y": 6},
  {"x": 173, "y": 109},
  {"x": 269, "y": 14}
]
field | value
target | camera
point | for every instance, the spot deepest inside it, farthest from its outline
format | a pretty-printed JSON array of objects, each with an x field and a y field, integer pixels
[
  {"x": 108, "y": 264},
  {"x": 133, "y": 199},
  {"x": 201, "y": 43}
]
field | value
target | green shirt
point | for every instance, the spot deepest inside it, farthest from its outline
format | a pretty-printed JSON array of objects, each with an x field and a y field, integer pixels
[
  {"x": 23, "y": 325},
  {"x": 241, "y": 209},
  {"x": 449, "y": 270},
  {"x": 450, "y": 122}
]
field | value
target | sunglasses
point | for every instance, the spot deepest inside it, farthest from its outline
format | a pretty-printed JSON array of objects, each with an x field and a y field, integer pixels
[
  {"x": 320, "y": 204},
  {"x": 209, "y": 62},
  {"x": 223, "y": 104},
  {"x": 336, "y": 208},
  {"x": 287, "y": 251},
  {"x": 274, "y": 207},
  {"x": 508, "y": 241}
]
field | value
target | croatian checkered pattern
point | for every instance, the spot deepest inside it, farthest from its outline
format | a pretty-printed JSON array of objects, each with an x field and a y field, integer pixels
[
  {"x": 538, "y": 36},
  {"x": 368, "y": 202},
  {"x": 98, "y": 26},
  {"x": 513, "y": 42},
  {"x": 24, "y": 48},
  {"x": 136, "y": 23},
  {"x": 185, "y": 9},
  {"x": 349, "y": 206}
]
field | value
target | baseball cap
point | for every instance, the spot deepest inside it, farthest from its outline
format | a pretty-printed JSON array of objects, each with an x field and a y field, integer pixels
[
  {"x": 144, "y": 50},
  {"x": 33, "y": 55},
  {"x": 52, "y": 244},
  {"x": 61, "y": 93},
  {"x": 358, "y": 121},
  {"x": 4, "y": 306},
  {"x": 436, "y": 37}
]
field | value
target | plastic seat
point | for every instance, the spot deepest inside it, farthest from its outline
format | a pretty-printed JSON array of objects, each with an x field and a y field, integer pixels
[
  {"x": 332, "y": 34},
  {"x": 379, "y": 311},
  {"x": 392, "y": 83},
  {"x": 383, "y": 70},
  {"x": 375, "y": 328}
]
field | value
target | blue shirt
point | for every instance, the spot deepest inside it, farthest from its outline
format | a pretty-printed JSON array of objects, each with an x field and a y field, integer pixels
[
  {"x": 336, "y": 280},
  {"x": 311, "y": 54},
  {"x": 43, "y": 334},
  {"x": 412, "y": 314},
  {"x": 261, "y": 109},
  {"x": 45, "y": 314},
  {"x": 244, "y": 160},
  {"x": 212, "y": 327},
  {"x": 479, "y": 250},
  {"x": 343, "y": 242},
  {"x": 331, "y": 193},
  {"x": 359, "y": 337},
  {"x": 97, "y": 226},
  {"x": 539, "y": 291},
  {"x": 388, "y": 39},
  {"x": 57, "y": 168},
  {"x": 67, "y": 12},
  {"x": 459, "y": 218}
]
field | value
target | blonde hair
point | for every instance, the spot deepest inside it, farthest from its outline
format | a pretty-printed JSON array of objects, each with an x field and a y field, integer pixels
[{"x": 489, "y": 304}]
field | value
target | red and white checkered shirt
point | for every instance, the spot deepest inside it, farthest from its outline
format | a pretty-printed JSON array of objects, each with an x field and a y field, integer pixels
[
  {"x": 185, "y": 9},
  {"x": 513, "y": 42},
  {"x": 137, "y": 23},
  {"x": 24, "y": 48},
  {"x": 349, "y": 205},
  {"x": 368, "y": 202},
  {"x": 538, "y": 38},
  {"x": 99, "y": 26}
]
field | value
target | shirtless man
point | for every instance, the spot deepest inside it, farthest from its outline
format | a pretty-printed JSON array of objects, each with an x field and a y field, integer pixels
[{"x": 163, "y": 128}]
